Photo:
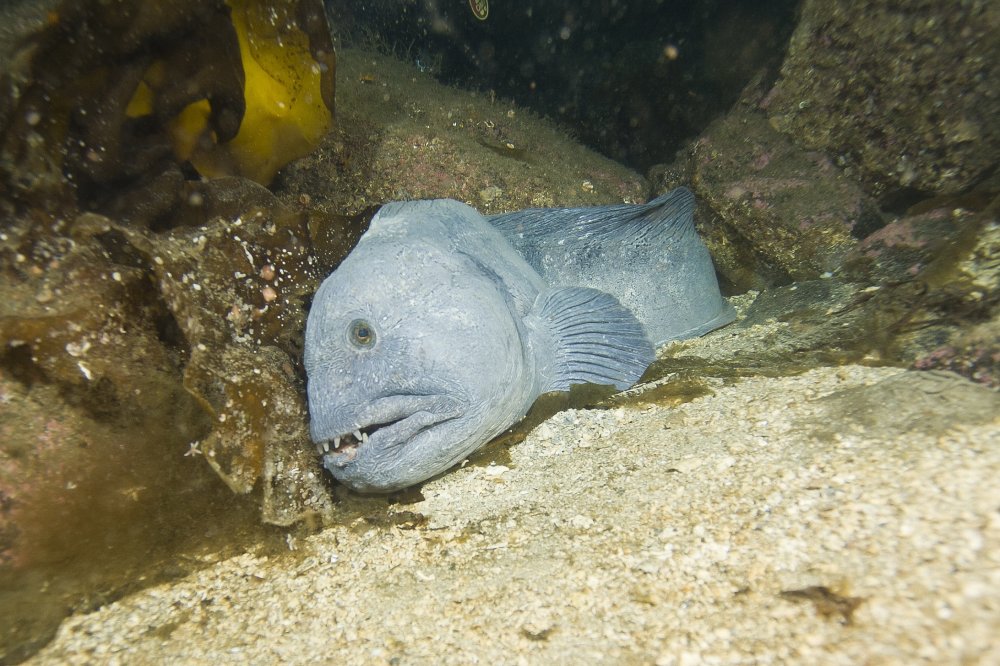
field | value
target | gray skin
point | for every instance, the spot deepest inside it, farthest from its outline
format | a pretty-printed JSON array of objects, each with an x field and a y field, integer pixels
[{"x": 442, "y": 327}]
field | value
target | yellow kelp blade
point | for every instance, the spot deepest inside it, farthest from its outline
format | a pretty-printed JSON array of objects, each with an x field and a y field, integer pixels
[
  {"x": 288, "y": 92},
  {"x": 286, "y": 115}
]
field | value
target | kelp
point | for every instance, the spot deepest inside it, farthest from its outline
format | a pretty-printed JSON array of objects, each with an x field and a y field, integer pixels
[{"x": 118, "y": 103}]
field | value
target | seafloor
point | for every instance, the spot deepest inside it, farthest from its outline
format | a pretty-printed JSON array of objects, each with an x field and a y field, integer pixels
[{"x": 847, "y": 515}]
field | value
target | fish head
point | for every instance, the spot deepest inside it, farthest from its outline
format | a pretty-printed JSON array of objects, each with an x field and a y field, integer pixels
[{"x": 414, "y": 359}]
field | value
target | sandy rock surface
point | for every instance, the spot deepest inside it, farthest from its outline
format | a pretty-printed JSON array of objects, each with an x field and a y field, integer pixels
[{"x": 845, "y": 515}]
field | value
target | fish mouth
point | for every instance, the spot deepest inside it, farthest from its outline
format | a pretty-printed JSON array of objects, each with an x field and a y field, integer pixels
[
  {"x": 344, "y": 448},
  {"x": 386, "y": 423}
]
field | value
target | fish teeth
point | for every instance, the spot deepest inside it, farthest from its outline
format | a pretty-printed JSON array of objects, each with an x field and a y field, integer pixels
[{"x": 326, "y": 445}]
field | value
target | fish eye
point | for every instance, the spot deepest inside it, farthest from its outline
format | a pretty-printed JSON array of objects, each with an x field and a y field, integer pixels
[{"x": 361, "y": 333}]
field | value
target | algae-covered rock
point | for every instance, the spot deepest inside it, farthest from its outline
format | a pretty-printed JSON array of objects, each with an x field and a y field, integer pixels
[
  {"x": 401, "y": 135},
  {"x": 19, "y": 18},
  {"x": 128, "y": 360},
  {"x": 112, "y": 102},
  {"x": 95, "y": 487},
  {"x": 906, "y": 93},
  {"x": 771, "y": 212},
  {"x": 65, "y": 108},
  {"x": 958, "y": 327},
  {"x": 237, "y": 289},
  {"x": 793, "y": 327},
  {"x": 907, "y": 245}
]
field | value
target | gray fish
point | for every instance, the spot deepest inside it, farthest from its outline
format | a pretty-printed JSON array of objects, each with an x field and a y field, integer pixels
[{"x": 442, "y": 327}]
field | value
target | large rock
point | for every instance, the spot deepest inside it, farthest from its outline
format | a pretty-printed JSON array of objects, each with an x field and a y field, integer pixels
[
  {"x": 402, "y": 135},
  {"x": 770, "y": 211},
  {"x": 907, "y": 93},
  {"x": 841, "y": 516}
]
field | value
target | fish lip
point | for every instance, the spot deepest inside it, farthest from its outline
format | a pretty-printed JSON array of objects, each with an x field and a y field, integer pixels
[{"x": 385, "y": 422}]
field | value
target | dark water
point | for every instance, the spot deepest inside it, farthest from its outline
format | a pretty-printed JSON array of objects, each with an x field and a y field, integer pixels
[{"x": 634, "y": 80}]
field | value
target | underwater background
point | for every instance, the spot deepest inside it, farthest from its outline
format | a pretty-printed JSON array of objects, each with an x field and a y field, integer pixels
[{"x": 176, "y": 178}]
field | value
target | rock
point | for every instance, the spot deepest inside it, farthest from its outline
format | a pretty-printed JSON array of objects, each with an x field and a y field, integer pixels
[
  {"x": 905, "y": 247},
  {"x": 787, "y": 329},
  {"x": 110, "y": 106},
  {"x": 905, "y": 94},
  {"x": 938, "y": 302},
  {"x": 236, "y": 290},
  {"x": 401, "y": 135},
  {"x": 960, "y": 327},
  {"x": 631, "y": 80},
  {"x": 772, "y": 212},
  {"x": 19, "y": 19},
  {"x": 98, "y": 481},
  {"x": 811, "y": 529},
  {"x": 927, "y": 402}
]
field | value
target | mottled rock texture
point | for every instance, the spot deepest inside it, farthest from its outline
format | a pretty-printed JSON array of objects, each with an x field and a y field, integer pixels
[
  {"x": 772, "y": 212},
  {"x": 907, "y": 93}
]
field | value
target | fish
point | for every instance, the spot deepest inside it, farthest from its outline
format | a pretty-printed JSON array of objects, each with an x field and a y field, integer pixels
[{"x": 442, "y": 326}]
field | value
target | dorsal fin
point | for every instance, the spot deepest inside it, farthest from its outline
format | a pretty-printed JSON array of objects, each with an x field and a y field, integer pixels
[
  {"x": 648, "y": 256},
  {"x": 534, "y": 232}
]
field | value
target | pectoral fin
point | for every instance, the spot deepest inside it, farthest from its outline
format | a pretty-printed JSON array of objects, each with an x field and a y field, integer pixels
[{"x": 581, "y": 335}]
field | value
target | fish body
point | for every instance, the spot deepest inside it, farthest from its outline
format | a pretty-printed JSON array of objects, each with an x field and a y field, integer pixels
[{"x": 442, "y": 327}]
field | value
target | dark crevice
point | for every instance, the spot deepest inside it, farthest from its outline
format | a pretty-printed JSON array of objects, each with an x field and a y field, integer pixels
[
  {"x": 899, "y": 201},
  {"x": 633, "y": 80},
  {"x": 17, "y": 361},
  {"x": 168, "y": 331}
]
